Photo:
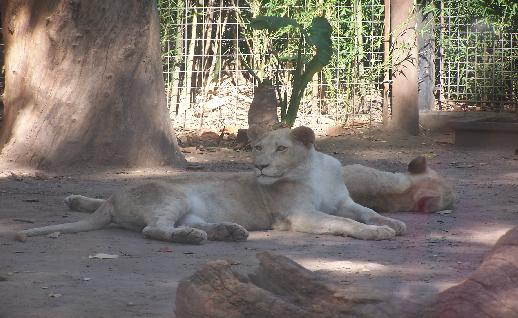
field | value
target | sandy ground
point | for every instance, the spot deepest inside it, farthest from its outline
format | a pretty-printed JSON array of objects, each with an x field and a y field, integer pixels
[{"x": 54, "y": 277}]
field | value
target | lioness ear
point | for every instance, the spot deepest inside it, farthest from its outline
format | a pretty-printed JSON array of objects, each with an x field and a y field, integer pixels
[
  {"x": 304, "y": 135},
  {"x": 254, "y": 132},
  {"x": 417, "y": 165}
]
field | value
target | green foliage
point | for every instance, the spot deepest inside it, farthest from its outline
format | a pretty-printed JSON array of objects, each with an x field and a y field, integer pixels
[
  {"x": 273, "y": 23},
  {"x": 475, "y": 44},
  {"x": 501, "y": 14},
  {"x": 317, "y": 36},
  {"x": 280, "y": 46}
]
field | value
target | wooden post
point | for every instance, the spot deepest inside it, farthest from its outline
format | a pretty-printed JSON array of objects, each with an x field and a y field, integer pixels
[
  {"x": 386, "y": 64},
  {"x": 405, "y": 110},
  {"x": 426, "y": 65}
]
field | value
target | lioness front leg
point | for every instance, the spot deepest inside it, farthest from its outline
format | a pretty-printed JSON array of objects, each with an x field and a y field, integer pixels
[
  {"x": 321, "y": 223},
  {"x": 163, "y": 229},
  {"x": 224, "y": 231},
  {"x": 355, "y": 211}
]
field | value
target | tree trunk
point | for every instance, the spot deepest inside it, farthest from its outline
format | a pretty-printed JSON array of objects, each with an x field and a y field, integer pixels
[
  {"x": 405, "y": 109},
  {"x": 279, "y": 288},
  {"x": 84, "y": 85},
  {"x": 490, "y": 291}
]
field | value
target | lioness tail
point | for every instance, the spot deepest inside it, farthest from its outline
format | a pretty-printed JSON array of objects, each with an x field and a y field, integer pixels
[{"x": 97, "y": 220}]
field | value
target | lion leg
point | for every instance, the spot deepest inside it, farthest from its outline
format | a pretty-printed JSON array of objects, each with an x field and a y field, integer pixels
[
  {"x": 83, "y": 204},
  {"x": 355, "y": 211},
  {"x": 224, "y": 231},
  {"x": 169, "y": 233},
  {"x": 321, "y": 223}
]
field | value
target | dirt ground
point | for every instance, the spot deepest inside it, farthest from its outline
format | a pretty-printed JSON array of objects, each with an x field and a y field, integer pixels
[{"x": 54, "y": 277}]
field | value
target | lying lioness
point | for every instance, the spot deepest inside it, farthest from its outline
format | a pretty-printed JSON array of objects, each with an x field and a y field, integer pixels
[
  {"x": 293, "y": 188},
  {"x": 419, "y": 190}
]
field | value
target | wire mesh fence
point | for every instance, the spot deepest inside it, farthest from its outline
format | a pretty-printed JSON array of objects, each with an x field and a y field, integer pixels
[
  {"x": 478, "y": 64},
  {"x": 207, "y": 47}
]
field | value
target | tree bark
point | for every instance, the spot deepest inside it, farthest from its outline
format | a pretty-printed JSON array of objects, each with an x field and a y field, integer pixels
[
  {"x": 84, "y": 85},
  {"x": 426, "y": 49},
  {"x": 278, "y": 288},
  {"x": 405, "y": 109},
  {"x": 489, "y": 292}
]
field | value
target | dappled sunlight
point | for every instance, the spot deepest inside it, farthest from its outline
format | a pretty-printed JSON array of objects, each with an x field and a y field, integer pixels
[
  {"x": 344, "y": 266},
  {"x": 509, "y": 178},
  {"x": 21, "y": 126},
  {"x": 358, "y": 267},
  {"x": 486, "y": 234}
]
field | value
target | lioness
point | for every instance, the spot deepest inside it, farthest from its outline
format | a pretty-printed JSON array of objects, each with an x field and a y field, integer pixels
[
  {"x": 293, "y": 187},
  {"x": 421, "y": 189}
]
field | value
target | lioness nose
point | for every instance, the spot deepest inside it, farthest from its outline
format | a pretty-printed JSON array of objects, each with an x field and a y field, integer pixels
[{"x": 261, "y": 167}]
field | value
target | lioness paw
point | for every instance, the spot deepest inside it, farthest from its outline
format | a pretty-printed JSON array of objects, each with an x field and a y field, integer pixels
[
  {"x": 73, "y": 202},
  {"x": 396, "y": 225},
  {"x": 188, "y": 235},
  {"x": 375, "y": 233},
  {"x": 227, "y": 231}
]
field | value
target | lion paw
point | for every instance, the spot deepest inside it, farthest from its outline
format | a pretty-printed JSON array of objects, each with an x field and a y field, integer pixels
[
  {"x": 376, "y": 233},
  {"x": 74, "y": 202},
  {"x": 396, "y": 225},
  {"x": 188, "y": 235},
  {"x": 227, "y": 231}
]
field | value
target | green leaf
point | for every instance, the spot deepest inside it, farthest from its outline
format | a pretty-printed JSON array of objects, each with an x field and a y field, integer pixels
[
  {"x": 293, "y": 58},
  {"x": 272, "y": 23},
  {"x": 320, "y": 36}
]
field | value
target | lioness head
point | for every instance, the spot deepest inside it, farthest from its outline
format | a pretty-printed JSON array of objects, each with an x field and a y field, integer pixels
[
  {"x": 281, "y": 153},
  {"x": 430, "y": 191}
]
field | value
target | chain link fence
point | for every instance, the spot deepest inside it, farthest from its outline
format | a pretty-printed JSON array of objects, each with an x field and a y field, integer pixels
[
  {"x": 477, "y": 63},
  {"x": 207, "y": 47}
]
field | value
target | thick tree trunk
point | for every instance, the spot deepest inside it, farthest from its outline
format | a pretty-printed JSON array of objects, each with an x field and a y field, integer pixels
[{"x": 84, "y": 84}]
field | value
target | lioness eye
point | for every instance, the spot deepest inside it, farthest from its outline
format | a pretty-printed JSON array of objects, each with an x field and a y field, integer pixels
[
  {"x": 281, "y": 148},
  {"x": 258, "y": 147}
]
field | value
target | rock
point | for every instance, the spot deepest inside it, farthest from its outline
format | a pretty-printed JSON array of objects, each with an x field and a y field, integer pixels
[
  {"x": 183, "y": 140},
  {"x": 54, "y": 235},
  {"x": 489, "y": 292},
  {"x": 263, "y": 110},
  {"x": 335, "y": 131},
  {"x": 242, "y": 137},
  {"x": 229, "y": 130},
  {"x": 40, "y": 175},
  {"x": 209, "y": 138},
  {"x": 278, "y": 288},
  {"x": 189, "y": 150}
]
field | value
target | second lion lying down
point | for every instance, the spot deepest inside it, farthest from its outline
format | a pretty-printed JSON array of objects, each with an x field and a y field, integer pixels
[
  {"x": 421, "y": 189},
  {"x": 294, "y": 188}
]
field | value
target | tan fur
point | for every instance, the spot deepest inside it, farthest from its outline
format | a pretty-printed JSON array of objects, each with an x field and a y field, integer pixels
[
  {"x": 424, "y": 190},
  {"x": 292, "y": 188}
]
